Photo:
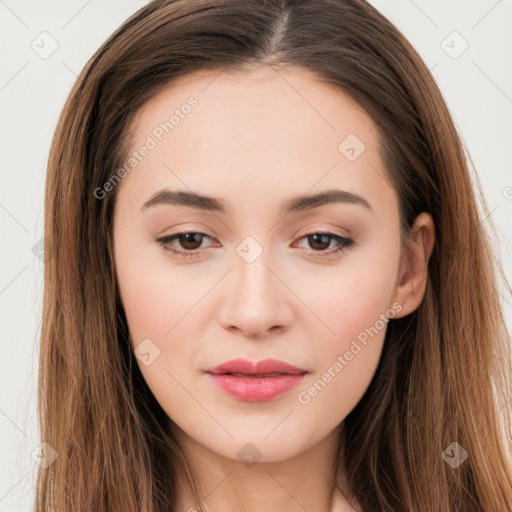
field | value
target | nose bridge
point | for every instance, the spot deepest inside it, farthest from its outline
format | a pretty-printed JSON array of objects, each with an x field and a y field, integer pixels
[{"x": 257, "y": 300}]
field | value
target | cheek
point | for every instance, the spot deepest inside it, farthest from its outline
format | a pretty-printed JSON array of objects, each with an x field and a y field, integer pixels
[
  {"x": 344, "y": 369},
  {"x": 350, "y": 304},
  {"x": 162, "y": 321},
  {"x": 154, "y": 299},
  {"x": 354, "y": 311},
  {"x": 165, "y": 311}
]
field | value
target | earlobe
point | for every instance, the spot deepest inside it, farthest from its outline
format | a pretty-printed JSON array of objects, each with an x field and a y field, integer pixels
[{"x": 413, "y": 274}]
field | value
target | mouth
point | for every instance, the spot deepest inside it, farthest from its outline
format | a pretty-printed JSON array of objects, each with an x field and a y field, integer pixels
[{"x": 256, "y": 382}]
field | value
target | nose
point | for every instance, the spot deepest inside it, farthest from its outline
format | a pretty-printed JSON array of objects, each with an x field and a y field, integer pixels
[{"x": 256, "y": 299}]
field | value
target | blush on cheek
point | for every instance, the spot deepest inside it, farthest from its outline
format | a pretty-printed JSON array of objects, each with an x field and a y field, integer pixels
[
  {"x": 350, "y": 307},
  {"x": 359, "y": 322},
  {"x": 145, "y": 311}
]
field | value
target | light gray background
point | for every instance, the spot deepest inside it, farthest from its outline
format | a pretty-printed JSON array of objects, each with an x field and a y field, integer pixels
[{"x": 477, "y": 86}]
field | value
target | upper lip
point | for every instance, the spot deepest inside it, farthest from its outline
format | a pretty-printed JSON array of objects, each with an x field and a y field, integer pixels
[{"x": 263, "y": 367}]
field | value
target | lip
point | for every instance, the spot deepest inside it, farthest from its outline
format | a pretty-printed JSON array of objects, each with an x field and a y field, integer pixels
[
  {"x": 261, "y": 367},
  {"x": 256, "y": 382}
]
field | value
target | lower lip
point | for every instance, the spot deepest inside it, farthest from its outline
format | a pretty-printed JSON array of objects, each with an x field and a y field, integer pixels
[{"x": 257, "y": 389}]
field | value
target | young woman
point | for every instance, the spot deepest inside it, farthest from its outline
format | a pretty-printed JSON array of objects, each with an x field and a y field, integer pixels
[{"x": 267, "y": 284}]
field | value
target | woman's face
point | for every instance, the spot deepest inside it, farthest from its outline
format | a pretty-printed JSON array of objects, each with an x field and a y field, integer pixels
[{"x": 282, "y": 158}]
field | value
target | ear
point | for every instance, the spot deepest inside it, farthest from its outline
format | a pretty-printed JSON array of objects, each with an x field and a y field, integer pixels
[{"x": 413, "y": 272}]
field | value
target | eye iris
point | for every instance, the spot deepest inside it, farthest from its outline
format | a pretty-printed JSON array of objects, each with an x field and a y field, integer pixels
[
  {"x": 316, "y": 241},
  {"x": 188, "y": 238}
]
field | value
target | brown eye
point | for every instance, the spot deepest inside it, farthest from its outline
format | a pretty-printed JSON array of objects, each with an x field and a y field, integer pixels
[
  {"x": 319, "y": 241},
  {"x": 190, "y": 241},
  {"x": 184, "y": 244}
]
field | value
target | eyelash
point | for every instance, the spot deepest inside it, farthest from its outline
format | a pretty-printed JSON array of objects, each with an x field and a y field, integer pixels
[{"x": 344, "y": 242}]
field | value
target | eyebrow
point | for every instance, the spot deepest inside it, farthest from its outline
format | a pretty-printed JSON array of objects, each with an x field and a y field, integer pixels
[{"x": 293, "y": 205}]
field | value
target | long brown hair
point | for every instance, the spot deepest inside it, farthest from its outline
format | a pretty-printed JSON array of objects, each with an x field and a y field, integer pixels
[{"x": 444, "y": 374}]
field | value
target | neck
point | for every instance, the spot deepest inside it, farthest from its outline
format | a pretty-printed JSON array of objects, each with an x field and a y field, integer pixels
[{"x": 303, "y": 482}]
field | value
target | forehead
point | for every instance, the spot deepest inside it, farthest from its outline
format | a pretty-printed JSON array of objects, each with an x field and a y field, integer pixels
[{"x": 256, "y": 133}]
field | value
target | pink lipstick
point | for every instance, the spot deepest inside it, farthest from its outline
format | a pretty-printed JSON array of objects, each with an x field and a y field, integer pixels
[{"x": 256, "y": 382}]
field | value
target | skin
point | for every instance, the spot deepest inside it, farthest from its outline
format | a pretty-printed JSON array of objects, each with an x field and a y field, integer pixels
[{"x": 255, "y": 139}]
